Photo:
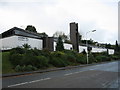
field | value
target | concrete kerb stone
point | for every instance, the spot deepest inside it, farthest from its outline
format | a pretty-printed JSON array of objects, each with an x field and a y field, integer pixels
[{"x": 49, "y": 70}]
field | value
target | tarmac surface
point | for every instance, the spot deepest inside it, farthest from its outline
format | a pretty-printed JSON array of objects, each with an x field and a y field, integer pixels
[{"x": 103, "y": 75}]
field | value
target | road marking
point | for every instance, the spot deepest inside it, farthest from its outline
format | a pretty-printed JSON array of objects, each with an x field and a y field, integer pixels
[
  {"x": 18, "y": 84},
  {"x": 28, "y": 82},
  {"x": 77, "y": 72},
  {"x": 92, "y": 69},
  {"x": 68, "y": 74}
]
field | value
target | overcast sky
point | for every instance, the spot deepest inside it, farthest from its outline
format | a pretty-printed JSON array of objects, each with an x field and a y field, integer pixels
[{"x": 55, "y": 15}]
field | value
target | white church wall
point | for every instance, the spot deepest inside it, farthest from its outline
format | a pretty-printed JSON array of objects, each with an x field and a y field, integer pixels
[
  {"x": 81, "y": 48},
  {"x": 15, "y": 41}
]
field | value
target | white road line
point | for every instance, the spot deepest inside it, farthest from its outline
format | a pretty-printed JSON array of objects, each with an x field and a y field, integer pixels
[
  {"x": 18, "y": 84},
  {"x": 73, "y": 73},
  {"x": 68, "y": 74},
  {"x": 28, "y": 82},
  {"x": 76, "y": 72},
  {"x": 92, "y": 69}
]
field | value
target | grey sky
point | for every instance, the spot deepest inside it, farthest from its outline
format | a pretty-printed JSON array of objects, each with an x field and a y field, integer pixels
[{"x": 55, "y": 15}]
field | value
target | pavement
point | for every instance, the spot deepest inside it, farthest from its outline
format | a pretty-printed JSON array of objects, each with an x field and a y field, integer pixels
[{"x": 104, "y": 75}]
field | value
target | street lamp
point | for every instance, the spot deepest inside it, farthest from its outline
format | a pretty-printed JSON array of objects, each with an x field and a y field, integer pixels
[{"x": 87, "y": 43}]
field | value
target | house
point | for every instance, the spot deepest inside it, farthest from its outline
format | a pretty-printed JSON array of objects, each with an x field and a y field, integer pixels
[{"x": 15, "y": 37}]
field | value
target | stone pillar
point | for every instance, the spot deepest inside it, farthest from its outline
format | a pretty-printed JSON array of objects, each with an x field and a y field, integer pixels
[{"x": 74, "y": 36}]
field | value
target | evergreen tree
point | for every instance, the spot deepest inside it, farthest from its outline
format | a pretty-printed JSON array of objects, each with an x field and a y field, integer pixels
[
  {"x": 59, "y": 46},
  {"x": 31, "y": 28},
  {"x": 116, "y": 47}
]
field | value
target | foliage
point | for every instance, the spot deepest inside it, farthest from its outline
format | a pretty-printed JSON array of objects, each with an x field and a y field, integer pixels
[
  {"x": 7, "y": 66},
  {"x": 81, "y": 58},
  {"x": 58, "y": 34},
  {"x": 31, "y": 28},
  {"x": 19, "y": 68},
  {"x": 92, "y": 59},
  {"x": 26, "y": 46},
  {"x": 71, "y": 58},
  {"x": 43, "y": 34},
  {"x": 102, "y": 58},
  {"x": 117, "y": 47},
  {"x": 18, "y": 50},
  {"x": 58, "y": 62},
  {"x": 59, "y": 46},
  {"x": 16, "y": 59},
  {"x": 41, "y": 62},
  {"x": 22, "y": 59},
  {"x": 84, "y": 52},
  {"x": 58, "y": 59}
]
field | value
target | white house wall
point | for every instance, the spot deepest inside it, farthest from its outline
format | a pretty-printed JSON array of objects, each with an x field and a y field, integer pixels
[
  {"x": 81, "y": 48},
  {"x": 15, "y": 41}
]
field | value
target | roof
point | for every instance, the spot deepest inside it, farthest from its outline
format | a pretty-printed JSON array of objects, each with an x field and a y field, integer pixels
[{"x": 20, "y": 32}]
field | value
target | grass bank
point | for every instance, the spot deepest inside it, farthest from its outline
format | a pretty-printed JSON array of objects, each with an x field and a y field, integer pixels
[{"x": 7, "y": 66}]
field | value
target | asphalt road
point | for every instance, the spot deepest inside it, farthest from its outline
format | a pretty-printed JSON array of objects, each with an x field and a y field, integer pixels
[{"x": 95, "y": 76}]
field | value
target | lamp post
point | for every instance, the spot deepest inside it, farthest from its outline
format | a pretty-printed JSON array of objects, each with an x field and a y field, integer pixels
[{"x": 87, "y": 44}]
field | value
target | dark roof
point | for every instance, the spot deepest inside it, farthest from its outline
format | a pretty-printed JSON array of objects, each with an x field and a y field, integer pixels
[{"x": 20, "y": 32}]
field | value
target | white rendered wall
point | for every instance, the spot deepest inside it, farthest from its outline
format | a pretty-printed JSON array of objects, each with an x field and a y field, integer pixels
[
  {"x": 81, "y": 48},
  {"x": 15, "y": 41},
  {"x": 66, "y": 46}
]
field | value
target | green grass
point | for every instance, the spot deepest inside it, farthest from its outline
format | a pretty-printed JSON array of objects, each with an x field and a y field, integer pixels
[{"x": 6, "y": 65}]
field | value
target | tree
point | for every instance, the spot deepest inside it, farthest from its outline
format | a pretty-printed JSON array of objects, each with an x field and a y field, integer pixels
[
  {"x": 108, "y": 46},
  {"x": 116, "y": 47},
  {"x": 59, "y": 46},
  {"x": 26, "y": 46},
  {"x": 43, "y": 34},
  {"x": 61, "y": 34},
  {"x": 80, "y": 38},
  {"x": 31, "y": 28}
]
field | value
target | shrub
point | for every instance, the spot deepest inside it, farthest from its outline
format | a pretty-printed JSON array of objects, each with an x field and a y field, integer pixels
[
  {"x": 101, "y": 58},
  {"x": 18, "y": 68},
  {"x": 29, "y": 68},
  {"x": 91, "y": 59},
  {"x": 41, "y": 62},
  {"x": 17, "y": 50},
  {"x": 115, "y": 57},
  {"x": 16, "y": 59},
  {"x": 59, "y": 46},
  {"x": 81, "y": 58},
  {"x": 58, "y": 62},
  {"x": 23, "y": 68},
  {"x": 58, "y": 54},
  {"x": 71, "y": 58},
  {"x": 45, "y": 52}
]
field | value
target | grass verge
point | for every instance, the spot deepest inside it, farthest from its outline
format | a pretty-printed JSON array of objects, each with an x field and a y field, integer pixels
[{"x": 6, "y": 64}]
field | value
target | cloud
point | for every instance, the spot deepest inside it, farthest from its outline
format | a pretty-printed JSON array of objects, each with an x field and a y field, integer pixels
[{"x": 55, "y": 15}]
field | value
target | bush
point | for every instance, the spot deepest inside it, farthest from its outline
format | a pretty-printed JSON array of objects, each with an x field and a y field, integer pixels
[
  {"x": 18, "y": 68},
  {"x": 81, "y": 58},
  {"x": 101, "y": 58},
  {"x": 115, "y": 57},
  {"x": 58, "y": 54},
  {"x": 91, "y": 59},
  {"x": 41, "y": 62},
  {"x": 23, "y": 68},
  {"x": 71, "y": 58},
  {"x": 17, "y": 50},
  {"x": 58, "y": 62},
  {"x": 16, "y": 59}
]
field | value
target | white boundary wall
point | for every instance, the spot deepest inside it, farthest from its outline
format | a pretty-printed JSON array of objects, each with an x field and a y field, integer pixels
[
  {"x": 81, "y": 48},
  {"x": 15, "y": 41}
]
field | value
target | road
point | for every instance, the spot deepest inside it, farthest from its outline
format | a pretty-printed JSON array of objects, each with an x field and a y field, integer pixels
[{"x": 96, "y": 76}]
